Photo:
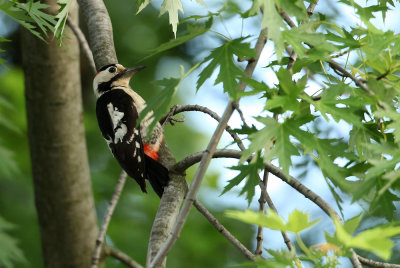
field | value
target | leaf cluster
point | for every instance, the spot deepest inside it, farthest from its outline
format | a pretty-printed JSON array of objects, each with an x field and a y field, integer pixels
[
  {"x": 314, "y": 112},
  {"x": 33, "y": 17}
]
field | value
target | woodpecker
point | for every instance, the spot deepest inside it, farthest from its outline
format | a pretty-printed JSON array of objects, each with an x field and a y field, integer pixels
[{"x": 117, "y": 110}]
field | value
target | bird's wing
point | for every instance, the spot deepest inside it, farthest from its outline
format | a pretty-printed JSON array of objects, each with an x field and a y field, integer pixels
[{"x": 117, "y": 117}]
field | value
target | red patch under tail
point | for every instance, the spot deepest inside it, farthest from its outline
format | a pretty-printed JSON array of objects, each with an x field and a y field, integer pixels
[{"x": 150, "y": 152}]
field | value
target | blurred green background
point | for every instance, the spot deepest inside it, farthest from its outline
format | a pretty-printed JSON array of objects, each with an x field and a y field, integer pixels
[{"x": 199, "y": 244}]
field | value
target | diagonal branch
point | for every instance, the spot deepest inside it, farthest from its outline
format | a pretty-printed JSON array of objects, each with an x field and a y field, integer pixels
[
  {"x": 343, "y": 72},
  {"x": 223, "y": 230},
  {"x": 377, "y": 264},
  {"x": 83, "y": 44},
  {"x": 121, "y": 256},
  {"x": 206, "y": 158},
  {"x": 106, "y": 220}
]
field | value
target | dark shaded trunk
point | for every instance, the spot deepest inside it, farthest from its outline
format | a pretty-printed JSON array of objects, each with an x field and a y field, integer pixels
[{"x": 63, "y": 194}]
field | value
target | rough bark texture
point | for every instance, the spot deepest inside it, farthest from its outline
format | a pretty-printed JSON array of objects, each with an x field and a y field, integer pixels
[
  {"x": 101, "y": 43},
  {"x": 169, "y": 207},
  {"x": 62, "y": 186},
  {"x": 100, "y": 32}
]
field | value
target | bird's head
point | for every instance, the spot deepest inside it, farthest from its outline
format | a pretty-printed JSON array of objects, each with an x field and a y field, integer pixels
[{"x": 113, "y": 75}]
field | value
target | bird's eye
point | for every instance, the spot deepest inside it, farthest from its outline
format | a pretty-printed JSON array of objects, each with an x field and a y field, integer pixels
[{"x": 112, "y": 70}]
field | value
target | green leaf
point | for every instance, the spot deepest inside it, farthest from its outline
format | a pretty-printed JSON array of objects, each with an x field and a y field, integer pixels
[
  {"x": 375, "y": 240},
  {"x": 366, "y": 12},
  {"x": 256, "y": 88},
  {"x": 250, "y": 171},
  {"x": 288, "y": 99},
  {"x": 43, "y": 20},
  {"x": 284, "y": 257},
  {"x": 274, "y": 138},
  {"x": 270, "y": 220},
  {"x": 340, "y": 108},
  {"x": 274, "y": 22},
  {"x": 347, "y": 40},
  {"x": 298, "y": 221},
  {"x": 10, "y": 253},
  {"x": 228, "y": 72},
  {"x": 193, "y": 30},
  {"x": 352, "y": 224},
  {"x": 159, "y": 105},
  {"x": 306, "y": 33},
  {"x": 294, "y": 8},
  {"x": 61, "y": 16}
]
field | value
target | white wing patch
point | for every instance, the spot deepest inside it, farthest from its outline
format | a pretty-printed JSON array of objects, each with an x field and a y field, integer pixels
[{"x": 119, "y": 128}]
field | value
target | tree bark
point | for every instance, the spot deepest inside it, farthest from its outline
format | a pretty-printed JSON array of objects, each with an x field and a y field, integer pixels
[
  {"x": 63, "y": 193},
  {"x": 100, "y": 37}
]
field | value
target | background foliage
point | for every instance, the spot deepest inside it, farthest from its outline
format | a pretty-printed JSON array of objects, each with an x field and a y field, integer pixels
[{"x": 337, "y": 130}]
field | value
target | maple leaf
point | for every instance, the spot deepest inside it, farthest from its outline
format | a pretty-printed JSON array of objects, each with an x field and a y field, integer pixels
[{"x": 223, "y": 57}]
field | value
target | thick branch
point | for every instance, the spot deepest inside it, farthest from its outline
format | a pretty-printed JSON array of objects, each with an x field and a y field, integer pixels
[
  {"x": 106, "y": 219},
  {"x": 100, "y": 31},
  {"x": 121, "y": 256}
]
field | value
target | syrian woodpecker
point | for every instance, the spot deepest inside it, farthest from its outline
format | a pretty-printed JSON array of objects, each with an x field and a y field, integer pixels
[{"x": 117, "y": 109}]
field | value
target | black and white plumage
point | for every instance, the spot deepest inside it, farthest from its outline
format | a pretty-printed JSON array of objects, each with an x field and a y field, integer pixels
[{"x": 117, "y": 110}]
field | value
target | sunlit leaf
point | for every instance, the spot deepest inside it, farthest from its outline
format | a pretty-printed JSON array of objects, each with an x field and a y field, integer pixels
[
  {"x": 173, "y": 7},
  {"x": 298, "y": 221},
  {"x": 376, "y": 240},
  {"x": 61, "y": 16}
]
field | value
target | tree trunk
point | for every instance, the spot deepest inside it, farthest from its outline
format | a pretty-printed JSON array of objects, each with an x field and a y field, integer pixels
[{"x": 63, "y": 194}]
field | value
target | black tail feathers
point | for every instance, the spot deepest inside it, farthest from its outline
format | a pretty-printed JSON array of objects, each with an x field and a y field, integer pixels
[{"x": 157, "y": 175}]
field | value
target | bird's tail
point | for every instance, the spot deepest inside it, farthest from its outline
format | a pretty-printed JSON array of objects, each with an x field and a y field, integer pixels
[{"x": 157, "y": 175}]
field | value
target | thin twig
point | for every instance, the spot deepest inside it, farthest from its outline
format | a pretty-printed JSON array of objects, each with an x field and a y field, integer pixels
[
  {"x": 241, "y": 116},
  {"x": 121, "y": 256},
  {"x": 377, "y": 264},
  {"x": 262, "y": 200},
  {"x": 285, "y": 16},
  {"x": 176, "y": 109},
  {"x": 206, "y": 158},
  {"x": 106, "y": 220},
  {"x": 285, "y": 237},
  {"x": 83, "y": 44},
  {"x": 223, "y": 230},
  {"x": 343, "y": 72},
  {"x": 268, "y": 200}
]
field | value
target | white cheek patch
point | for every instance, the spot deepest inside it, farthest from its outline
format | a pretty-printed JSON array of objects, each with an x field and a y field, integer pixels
[{"x": 119, "y": 127}]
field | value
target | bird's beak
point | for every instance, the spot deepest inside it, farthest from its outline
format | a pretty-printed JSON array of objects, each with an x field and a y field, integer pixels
[{"x": 129, "y": 72}]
